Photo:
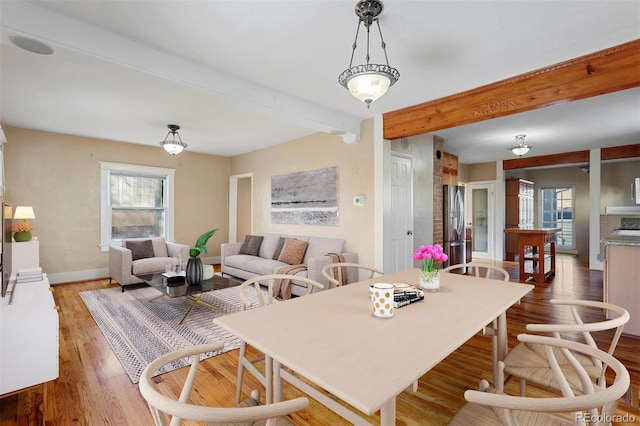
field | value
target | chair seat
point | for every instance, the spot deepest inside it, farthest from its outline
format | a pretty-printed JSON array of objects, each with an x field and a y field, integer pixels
[
  {"x": 482, "y": 415},
  {"x": 529, "y": 361}
]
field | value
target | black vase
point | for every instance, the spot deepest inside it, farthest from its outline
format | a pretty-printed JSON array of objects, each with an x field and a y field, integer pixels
[{"x": 193, "y": 274}]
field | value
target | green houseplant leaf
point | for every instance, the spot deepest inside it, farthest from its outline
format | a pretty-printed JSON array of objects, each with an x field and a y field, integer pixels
[{"x": 201, "y": 244}]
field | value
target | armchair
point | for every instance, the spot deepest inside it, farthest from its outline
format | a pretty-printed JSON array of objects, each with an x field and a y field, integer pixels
[{"x": 149, "y": 258}]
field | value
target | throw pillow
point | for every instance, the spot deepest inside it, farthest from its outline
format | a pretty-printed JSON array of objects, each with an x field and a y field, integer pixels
[
  {"x": 251, "y": 245},
  {"x": 279, "y": 245},
  {"x": 140, "y": 249},
  {"x": 293, "y": 251}
]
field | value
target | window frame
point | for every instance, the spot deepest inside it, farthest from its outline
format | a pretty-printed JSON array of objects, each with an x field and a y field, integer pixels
[
  {"x": 573, "y": 214},
  {"x": 106, "y": 169}
]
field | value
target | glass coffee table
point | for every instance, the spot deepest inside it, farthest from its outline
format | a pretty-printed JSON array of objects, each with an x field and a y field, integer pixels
[{"x": 182, "y": 289}]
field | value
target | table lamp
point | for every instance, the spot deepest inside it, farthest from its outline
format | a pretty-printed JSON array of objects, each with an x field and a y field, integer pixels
[{"x": 24, "y": 213}]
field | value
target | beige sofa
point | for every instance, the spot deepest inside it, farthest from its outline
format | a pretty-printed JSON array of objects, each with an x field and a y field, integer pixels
[
  {"x": 123, "y": 268},
  {"x": 246, "y": 266}
]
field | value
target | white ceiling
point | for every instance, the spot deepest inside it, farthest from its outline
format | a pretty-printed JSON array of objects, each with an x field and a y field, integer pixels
[{"x": 241, "y": 75}]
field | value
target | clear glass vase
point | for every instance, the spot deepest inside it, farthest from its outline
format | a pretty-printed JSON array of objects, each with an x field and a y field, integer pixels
[{"x": 430, "y": 280}]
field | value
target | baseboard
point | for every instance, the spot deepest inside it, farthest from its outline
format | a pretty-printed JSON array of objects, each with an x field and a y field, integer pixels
[
  {"x": 101, "y": 273},
  {"x": 73, "y": 276}
]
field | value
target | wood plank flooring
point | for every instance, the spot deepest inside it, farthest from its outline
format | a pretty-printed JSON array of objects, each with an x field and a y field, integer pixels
[{"x": 93, "y": 388}]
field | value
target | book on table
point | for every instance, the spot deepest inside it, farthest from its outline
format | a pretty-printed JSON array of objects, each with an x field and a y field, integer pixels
[{"x": 404, "y": 295}]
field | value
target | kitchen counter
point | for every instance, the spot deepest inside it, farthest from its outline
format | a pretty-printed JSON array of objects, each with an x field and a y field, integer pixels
[{"x": 621, "y": 240}]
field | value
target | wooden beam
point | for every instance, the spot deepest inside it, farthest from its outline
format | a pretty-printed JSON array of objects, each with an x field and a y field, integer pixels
[
  {"x": 617, "y": 152},
  {"x": 546, "y": 160},
  {"x": 610, "y": 153},
  {"x": 598, "y": 73}
]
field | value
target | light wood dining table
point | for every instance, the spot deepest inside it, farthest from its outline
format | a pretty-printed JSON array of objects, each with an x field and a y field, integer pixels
[{"x": 332, "y": 338}]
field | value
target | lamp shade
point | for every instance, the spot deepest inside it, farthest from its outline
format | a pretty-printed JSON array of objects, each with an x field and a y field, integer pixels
[
  {"x": 24, "y": 212},
  {"x": 520, "y": 150},
  {"x": 369, "y": 87}
]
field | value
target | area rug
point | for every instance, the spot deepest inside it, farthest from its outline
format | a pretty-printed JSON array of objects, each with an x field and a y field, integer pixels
[{"x": 140, "y": 330}]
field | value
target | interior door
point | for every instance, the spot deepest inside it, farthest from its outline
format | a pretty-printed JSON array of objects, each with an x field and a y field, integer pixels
[
  {"x": 401, "y": 214},
  {"x": 480, "y": 216}
]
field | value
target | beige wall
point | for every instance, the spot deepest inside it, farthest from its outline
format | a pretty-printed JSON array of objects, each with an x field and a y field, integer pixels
[
  {"x": 59, "y": 175},
  {"x": 479, "y": 172},
  {"x": 355, "y": 176}
]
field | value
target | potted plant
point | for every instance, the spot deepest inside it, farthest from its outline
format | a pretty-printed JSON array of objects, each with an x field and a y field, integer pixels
[
  {"x": 22, "y": 231},
  {"x": 431, "y": 259},
  {"x": 193, "y": 273}
]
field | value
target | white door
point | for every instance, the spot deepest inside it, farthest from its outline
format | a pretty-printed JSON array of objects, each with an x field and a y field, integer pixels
[
  {"x": 480, "y": 216},
  {"x": 401, "y": 214}
]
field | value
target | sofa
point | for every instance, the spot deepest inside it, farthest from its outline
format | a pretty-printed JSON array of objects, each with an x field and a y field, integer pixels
[
  {"x": 265, "y": 254},
  {"x": 143, "y": 256}
]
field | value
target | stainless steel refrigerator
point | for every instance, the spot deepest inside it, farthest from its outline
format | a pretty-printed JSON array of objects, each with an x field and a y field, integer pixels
[{"x": 453, "y": 224}]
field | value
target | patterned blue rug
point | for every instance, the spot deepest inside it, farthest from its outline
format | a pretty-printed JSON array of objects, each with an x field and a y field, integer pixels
[{"x": 140, "y": 330}]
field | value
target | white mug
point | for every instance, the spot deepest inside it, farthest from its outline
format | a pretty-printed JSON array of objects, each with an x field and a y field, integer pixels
[{"x": 382, "y": 298}]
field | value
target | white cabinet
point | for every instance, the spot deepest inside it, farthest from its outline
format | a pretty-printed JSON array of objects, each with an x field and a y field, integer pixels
[
  {"x": 621, "y": 286},
  {"x": 28, "y": 337},
  {"x": 24, "y": 255}
]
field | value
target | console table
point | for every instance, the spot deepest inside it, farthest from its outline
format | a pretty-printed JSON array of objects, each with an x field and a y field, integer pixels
[
  {"x": 28, "y": 338},
  {"x": 536, "y": 252}
]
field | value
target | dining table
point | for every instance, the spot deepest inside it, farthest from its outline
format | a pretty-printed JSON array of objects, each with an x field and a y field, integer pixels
[{"x": 332, "y": 338}]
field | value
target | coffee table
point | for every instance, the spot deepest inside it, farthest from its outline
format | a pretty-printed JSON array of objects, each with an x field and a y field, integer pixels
[{"x": 192, "y": 292}]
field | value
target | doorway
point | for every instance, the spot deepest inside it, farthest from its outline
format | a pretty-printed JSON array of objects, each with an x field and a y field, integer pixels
[
  {"x": 240, "y": 206},
  {"x": 480, "y": 201},
  {"x": 401, "y": 214}
]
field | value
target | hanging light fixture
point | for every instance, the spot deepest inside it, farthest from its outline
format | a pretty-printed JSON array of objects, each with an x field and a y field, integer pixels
[
  {"x": 368, "y": 82},
  {"x": 520, "y": 148},
  {"x": 173, "y": 146}
]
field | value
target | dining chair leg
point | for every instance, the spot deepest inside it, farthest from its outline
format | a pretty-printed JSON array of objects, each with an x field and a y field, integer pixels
[
  {"x": 523, "y": 386},
  {"x": 241, "y": 356}
]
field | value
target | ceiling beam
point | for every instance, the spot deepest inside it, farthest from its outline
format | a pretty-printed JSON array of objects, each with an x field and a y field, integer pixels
[
  {"x": 609, "y": 153},
  {"x": 598, "y": 73}
]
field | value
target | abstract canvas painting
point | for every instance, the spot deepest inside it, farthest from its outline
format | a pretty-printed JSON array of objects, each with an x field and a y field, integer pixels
[{"x": 305, "y": 198}]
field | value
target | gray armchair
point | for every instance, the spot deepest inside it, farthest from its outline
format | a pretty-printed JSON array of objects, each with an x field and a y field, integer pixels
[{"x": 142, "y": 256}]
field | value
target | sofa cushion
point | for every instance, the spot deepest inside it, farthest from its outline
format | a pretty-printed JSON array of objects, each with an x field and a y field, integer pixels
[
  {"x": 140, "y": 249},
  {"x": 150, "y": 265},
  {"x": 293, "y": 251},
  {"x": 251, "y": 244},
  {"x": 264, "y": 266},
  {"x": 159, "y": 247},
  {"x": 276, "y": 254},
  {"x": 320, "y": 246},
  {"x": 239, "y": 261},
  {"x": 268, "y": 246}
]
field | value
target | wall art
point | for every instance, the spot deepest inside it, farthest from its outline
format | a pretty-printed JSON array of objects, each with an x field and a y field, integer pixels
[{"x": 305, "y": 198}]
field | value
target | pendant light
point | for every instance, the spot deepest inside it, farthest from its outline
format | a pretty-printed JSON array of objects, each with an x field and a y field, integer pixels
[
  {"x": 368, "y": 82},
  {"x": 520, "y": 148},
  {"x": 173, "y": 146}
]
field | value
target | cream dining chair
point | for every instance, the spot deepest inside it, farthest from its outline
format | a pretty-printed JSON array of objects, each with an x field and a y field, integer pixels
[
  {"x": 487, "y": 271},
  {"x": 589, "y": 405},
  {"x": 338, "y": 274},
  {"x": 528, "y": 362},
  {"x": 177, "y": 409},
  {"x": 244, "y": 361}
]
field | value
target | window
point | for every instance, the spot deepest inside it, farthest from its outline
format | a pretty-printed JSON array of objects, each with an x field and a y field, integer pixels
[
  {"x": 557, "y": 212},
  {"x": 136, "y": 201}
]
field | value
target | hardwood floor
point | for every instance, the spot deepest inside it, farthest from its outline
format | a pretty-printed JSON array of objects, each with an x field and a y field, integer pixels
[{"x": 93, "y": 388}]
